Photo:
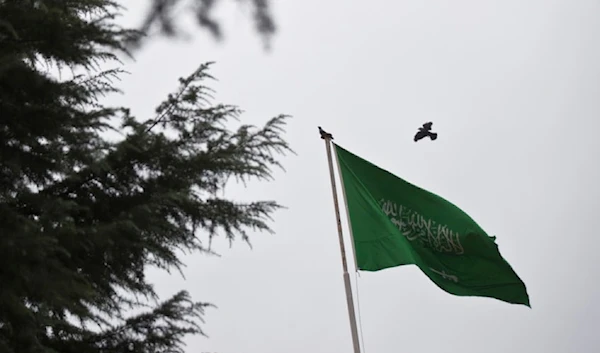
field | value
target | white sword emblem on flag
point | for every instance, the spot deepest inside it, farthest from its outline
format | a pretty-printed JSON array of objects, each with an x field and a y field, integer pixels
[{"x": 445, "y": 275}]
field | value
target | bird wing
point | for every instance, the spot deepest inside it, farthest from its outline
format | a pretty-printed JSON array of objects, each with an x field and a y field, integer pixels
[
  {"x": 420, "y": 134},
  {"x": 428, "y": 125}
]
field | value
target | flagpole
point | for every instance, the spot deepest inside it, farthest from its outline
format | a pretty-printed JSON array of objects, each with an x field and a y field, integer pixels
[{"x": 349, "y": 300}]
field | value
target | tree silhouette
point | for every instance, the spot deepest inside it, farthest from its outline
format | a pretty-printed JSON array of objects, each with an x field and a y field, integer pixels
[
  {"x": 165, "y": 13},
  {"x": 82, "y": 216}
]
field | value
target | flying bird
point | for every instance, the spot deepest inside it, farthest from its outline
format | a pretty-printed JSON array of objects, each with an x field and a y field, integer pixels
[{"x": 425, "y": 131}]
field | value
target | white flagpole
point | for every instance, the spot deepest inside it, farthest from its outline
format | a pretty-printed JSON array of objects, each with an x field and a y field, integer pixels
[{"x": 354, "y": 329}]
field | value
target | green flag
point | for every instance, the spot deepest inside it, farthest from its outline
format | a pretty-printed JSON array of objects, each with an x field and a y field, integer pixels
[{"x": 396, "y": 223}]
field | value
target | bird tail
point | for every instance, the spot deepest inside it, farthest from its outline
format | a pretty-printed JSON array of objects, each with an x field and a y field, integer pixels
[{"x": 433, "y": 135}]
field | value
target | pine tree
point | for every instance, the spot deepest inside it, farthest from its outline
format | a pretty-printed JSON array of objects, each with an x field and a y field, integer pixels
[
  {"x": 83, "y": 216},
  {"x": 164, "y": 14}
]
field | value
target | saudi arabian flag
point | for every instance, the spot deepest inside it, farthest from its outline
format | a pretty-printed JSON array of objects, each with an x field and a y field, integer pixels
[{"x": 395, "y": 223}]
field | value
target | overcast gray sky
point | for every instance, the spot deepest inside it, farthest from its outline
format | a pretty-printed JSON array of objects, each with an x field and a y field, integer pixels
[{"x": 513, "y": 90}]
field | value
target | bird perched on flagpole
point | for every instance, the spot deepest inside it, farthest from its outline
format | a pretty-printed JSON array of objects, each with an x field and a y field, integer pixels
[
  {"x": 425, "y": 131},
  {"x": 325, "y": 135}
]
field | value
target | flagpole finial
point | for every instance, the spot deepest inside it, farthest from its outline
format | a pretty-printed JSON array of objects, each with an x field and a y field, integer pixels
[{"x": 325, "y": 135}]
